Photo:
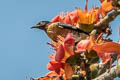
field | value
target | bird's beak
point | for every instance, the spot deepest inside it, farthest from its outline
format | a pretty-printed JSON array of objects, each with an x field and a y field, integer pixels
[{"x": 36, "y": 26}]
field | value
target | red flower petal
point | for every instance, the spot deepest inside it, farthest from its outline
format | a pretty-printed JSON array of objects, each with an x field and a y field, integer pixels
[
  {"x": 109, "y": 47},
  {"x": 50, "y": 67},
  {"x": 106, "y": 7},
  {"x": 67, "y": 19},
  {"x": 69, "y": 44},
  {"x": 69, "y": 39},
  {"x": 74, "y": 17},
  {"x": 55, "y": 66},
  {"x": 56, "y": 19},
  {"x": 82, "y": 46},
  {"x": 68, "y": 71},
  {"x": 60, "y": 53},
  {"x": 105, "y": 57}
]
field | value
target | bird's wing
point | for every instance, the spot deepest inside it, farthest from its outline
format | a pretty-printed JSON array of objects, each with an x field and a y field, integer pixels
[{"x": 70, "y": 27}]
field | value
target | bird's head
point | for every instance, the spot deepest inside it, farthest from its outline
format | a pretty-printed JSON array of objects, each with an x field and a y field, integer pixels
[{"x": 41, "y": 25}]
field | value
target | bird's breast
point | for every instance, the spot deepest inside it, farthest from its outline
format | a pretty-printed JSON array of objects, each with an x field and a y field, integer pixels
[{"x": 53, "y": 31}]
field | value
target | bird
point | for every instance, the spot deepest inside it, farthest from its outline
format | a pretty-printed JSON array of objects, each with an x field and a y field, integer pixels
[{"x": 53, "y": 29}]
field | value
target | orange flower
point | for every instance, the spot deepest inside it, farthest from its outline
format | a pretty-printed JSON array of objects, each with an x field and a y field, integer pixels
[
  {"x": 67, "y": 19},
  {"x": 104, "y": 50},
  {"x": 82, "y": 46},
  {"x": 105, "y": 57},
  {"x": 106, "y": 7},
  {"x": 86, "y": 20},
  {"x": 69, "y": 45},
  {"x": 68, "y": 71},
  {"x": 108, "y": 47},
  {"x": 60, "y": 53},
  {"x": 87, "y": 17},
  {"x": 86, "y": 44},
  {"x": 56, "y": 19},
  {"x": 64, "y": 51},
  {"x": 74, "y": 17},
  {"x": 79, "y": 17},
  {"x": 65, "y": 48},
  {"x": 55, "y": 66}
]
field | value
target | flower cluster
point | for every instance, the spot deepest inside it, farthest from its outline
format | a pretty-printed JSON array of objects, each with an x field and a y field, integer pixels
[{"x": 79, "y": 58}]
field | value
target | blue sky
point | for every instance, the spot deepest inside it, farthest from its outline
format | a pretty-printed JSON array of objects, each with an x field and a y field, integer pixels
[{"x": 24, "y": 52}]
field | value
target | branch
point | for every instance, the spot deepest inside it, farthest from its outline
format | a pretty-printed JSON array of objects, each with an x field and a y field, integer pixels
[
  {"x": 114, "y": 72},
  {"x": 107, "y": 19},
  {"x": 108, "y": 75}
]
